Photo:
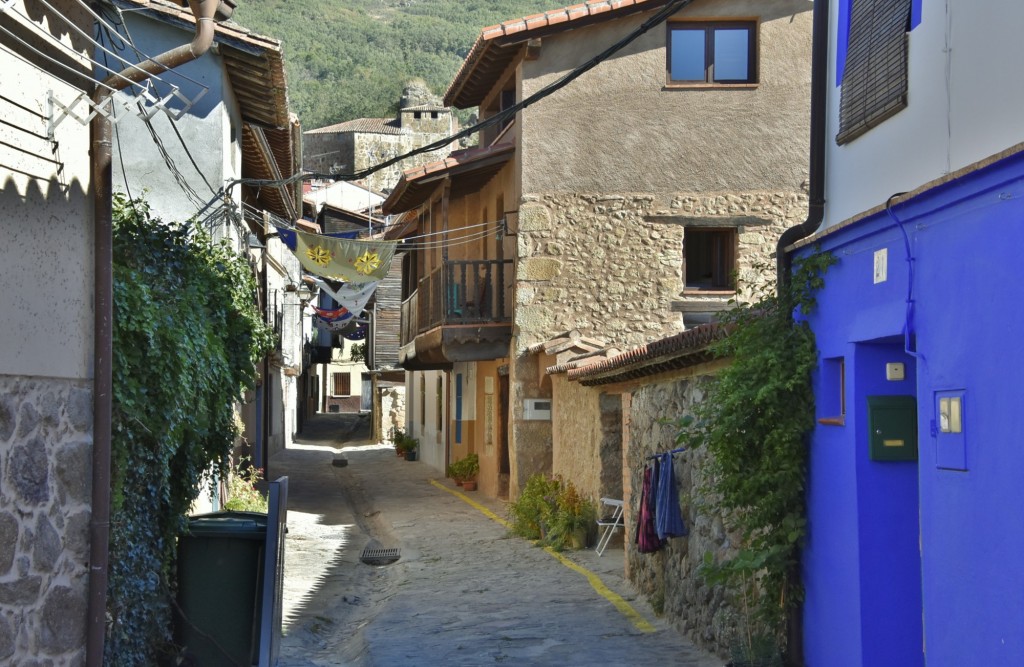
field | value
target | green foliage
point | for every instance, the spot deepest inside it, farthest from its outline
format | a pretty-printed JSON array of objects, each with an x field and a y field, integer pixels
[
  {"x": 465, "y": 469},
  {"x": 187, "y": 336},
  {"x": 403, "y": 441},
  {"x": 243, "y": 496},
  {"x": 351, "y": 59},
  {"x": 357, "y": 352},
  {"x": 552, "y": 510},
  {"x": 754, "y": 421}
]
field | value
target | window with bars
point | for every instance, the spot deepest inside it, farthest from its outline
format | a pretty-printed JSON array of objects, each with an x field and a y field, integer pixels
[
  {"x": 342, "y": 384},
  {"x": 712, "y": 52},
  {"x": 874, "y": 76}
]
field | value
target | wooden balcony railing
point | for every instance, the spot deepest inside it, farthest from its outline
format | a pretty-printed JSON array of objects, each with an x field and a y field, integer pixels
[{"x": 459, "y": 292}]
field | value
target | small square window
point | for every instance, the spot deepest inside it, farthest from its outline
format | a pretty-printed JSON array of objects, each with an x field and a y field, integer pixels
[
  {"x": 712, "y": 52},
  {"x": 710, "y": 258}
]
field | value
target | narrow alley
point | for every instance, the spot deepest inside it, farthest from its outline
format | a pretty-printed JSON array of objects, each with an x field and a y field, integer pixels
[{"x": 461, "y": 592}]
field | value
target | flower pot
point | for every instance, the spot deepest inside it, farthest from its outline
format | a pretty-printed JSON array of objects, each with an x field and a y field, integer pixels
[
  {"x": 399, "y": 452},
  {"x": 469, "y": 485},
  {"x": 410, "y": 455}
]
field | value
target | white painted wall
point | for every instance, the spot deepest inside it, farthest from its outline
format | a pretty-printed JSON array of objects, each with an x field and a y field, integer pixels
[
  {"x": 427, "y": 429},
  {"x": 966, "y": 93},
  {"x": 46, "y": 221}
]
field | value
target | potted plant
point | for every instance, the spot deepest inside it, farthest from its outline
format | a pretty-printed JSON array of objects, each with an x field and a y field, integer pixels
[
  {"x": 573, "y": 519},
  {"x": 411, "y": 444},
  {"x": 464, "y": 471}
]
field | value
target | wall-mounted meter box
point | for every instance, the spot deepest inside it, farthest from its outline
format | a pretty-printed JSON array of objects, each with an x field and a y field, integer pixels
[
  {"x": 892, "y": 428},
  {"x": 537, "y": 409}
]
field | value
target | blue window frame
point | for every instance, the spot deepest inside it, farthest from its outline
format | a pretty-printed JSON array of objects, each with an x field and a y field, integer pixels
[{"x": 712, "y": 52}]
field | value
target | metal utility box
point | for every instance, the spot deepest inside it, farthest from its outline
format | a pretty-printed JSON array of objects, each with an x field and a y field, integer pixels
[{"x": 892, "y": 428}]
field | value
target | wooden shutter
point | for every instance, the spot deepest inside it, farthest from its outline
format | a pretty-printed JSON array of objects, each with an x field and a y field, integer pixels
[{"x": 875, "y": 77}]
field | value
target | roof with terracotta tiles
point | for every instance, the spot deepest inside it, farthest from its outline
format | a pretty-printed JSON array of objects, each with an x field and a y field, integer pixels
[
  {"x": 497, "y": 45},
  {"x": 369, "y": 125},
  {"x": 469, "y": 169},
  {"x": 681, "y": 350}
]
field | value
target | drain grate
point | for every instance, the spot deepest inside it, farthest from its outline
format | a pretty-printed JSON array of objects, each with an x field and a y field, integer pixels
[{"x": 379, "y": 556}]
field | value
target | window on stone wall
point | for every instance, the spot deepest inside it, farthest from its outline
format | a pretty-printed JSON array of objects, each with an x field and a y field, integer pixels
[
  {"x": 709, "y": 258},
  {"x": 712, "y": 52},
  {"x": 342, "y": 384}
]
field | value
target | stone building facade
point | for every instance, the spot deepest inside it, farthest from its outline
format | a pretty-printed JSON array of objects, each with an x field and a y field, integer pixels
[
  {"x": 361, "y": 143},
  {"x": 45, "y": 459}
]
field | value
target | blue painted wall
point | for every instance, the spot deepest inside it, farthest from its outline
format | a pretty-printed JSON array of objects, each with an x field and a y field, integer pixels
[{"x": 868, "y": 584}]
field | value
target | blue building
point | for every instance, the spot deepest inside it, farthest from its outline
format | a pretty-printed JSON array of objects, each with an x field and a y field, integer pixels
[{"x": 915, "y": 552}]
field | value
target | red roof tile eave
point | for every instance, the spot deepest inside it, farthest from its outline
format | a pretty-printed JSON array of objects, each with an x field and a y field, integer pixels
[
  {"x": 431, "y": 170},
  {"x": 516, "y": 31},
  {"x": 680, "y": 350}
]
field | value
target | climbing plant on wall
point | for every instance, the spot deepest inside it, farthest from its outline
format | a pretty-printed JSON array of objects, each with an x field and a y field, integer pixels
[
  {"x": 754, "y": 422},
  {"x": 187, "y": 336}
]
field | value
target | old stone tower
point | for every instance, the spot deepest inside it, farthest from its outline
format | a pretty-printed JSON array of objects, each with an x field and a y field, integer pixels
[{"x": 357, "y": 144}]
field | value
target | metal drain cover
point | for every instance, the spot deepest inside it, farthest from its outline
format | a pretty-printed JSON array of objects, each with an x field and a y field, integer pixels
[{"x": 379, "y": 556}]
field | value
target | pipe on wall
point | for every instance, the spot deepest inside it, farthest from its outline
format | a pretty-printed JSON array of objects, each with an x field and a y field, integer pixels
[
  {"x": 100, "y": 131},
  {"x": 816, "y": 189}
]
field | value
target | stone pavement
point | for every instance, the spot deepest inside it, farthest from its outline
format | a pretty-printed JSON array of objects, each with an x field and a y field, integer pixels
[{"x": 462, "y": 592}]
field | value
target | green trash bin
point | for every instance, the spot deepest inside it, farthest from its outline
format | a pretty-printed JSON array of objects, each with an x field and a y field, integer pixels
[{"x": 220, "y": 567}]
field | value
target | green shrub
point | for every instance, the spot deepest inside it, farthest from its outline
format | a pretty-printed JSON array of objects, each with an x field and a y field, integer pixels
[
  {"x": 465, "y": 469},
  {"x": 187, "y": 337}
]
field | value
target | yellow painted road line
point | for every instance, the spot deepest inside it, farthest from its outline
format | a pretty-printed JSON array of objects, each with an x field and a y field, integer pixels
[{"x": 638, "y": 621}]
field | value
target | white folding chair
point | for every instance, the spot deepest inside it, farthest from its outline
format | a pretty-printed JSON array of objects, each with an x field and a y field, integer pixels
[{"x": 610, "y": 525}]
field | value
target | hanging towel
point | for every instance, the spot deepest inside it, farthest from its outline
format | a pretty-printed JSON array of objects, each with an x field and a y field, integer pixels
[
  {"x": 669, "y": 521},
  {"x": 647, "y": 539}
]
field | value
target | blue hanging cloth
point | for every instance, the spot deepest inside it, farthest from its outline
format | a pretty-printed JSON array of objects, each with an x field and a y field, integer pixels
[{"x": 667, "y": 518}]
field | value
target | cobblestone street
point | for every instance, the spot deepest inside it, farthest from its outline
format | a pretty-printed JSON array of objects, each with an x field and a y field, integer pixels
[{"x": 461, "y": 593}]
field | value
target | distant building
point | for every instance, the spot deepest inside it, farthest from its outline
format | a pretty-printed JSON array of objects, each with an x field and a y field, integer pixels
[{"x": 363, "y": 142}]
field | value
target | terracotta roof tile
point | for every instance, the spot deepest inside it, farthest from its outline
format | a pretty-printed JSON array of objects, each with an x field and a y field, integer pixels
[
  {"x": 564, "y": 18},
  {"x": 369, "y": 125},
  {"x": 686, "y": 348}
]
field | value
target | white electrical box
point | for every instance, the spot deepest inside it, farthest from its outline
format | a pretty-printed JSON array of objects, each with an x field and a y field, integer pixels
[
  {"x": 894, "y": 371},
  {"x": 537, "y": 409}
]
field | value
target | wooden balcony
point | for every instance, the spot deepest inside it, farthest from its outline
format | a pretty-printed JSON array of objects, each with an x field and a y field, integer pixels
[{"x": 460, "y": 312}]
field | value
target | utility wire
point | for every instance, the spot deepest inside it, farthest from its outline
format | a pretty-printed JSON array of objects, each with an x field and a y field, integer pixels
[{"x": 500, "y": 117}]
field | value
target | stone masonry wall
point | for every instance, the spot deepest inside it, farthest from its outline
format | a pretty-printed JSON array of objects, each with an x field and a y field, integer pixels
[
  {"x": 669, "y": 577},
  {"x": 45, "y": 495},
  {"x": 611, "y": 267},
  {"x": 596, "y": 264}
]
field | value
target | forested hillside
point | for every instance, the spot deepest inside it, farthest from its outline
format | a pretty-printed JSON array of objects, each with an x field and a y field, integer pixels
[{"x": 350, "y": 58}]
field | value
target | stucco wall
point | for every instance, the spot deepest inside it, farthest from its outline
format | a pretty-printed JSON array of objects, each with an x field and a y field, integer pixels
[
  {"x": 670, "y": 575},
  {"x": 210, "y": 131},
  {"x": 587, "y": 438},
  {"x": 45, "y": 492},
  {"x": 46, "y": 399},
  {"x": 960, "y": 106},
  {"x": 618, "y": 123}
]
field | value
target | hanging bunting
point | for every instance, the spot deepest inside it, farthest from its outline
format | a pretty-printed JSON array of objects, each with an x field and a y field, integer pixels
[
  {"x": 343, "y": 259},
  {"x": 350, "y": 295},
  {"x": 359, "y": 333},
  {"x": 290, "y": 240},
  {"x": 336, "y": 315}
]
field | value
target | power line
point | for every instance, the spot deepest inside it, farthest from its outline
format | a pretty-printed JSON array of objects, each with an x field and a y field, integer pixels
[{"x": 499, "y": 117}]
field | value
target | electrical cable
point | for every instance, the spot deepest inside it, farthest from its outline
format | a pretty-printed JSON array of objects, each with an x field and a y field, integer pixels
[{"x": 659, "y": 17}]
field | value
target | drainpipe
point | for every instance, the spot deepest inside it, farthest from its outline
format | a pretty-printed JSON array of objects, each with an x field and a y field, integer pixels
[
  {"x": 816, "y": 203},
  {"x": 100, "y": 131},
  {"x": 815, "y": 214}
]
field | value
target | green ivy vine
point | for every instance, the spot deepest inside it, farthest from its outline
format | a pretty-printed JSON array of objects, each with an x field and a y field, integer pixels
[
  {"x": 187, "y": 337},
  {"x": 754, "y": 422}
]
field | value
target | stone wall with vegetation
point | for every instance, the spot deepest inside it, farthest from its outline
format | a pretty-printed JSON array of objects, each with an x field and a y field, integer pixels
[
  {"x": 669, "y": 577},
  {"x": 45, "y": 495}
]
